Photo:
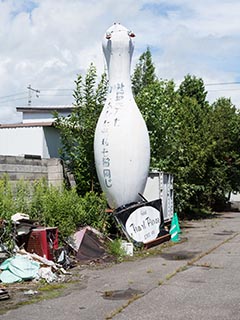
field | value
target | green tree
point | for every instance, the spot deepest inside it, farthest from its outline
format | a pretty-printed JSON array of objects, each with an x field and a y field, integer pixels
[
  {"x": 179, "y": 130},
  {"x": 77, "y": 130},
  {"x": 195, "y": 141},
  {"x": 190, "y": 147},
  {"x": 157, "y": 103},
  {"x": 223, "y": 172},
  {"x": 193, "y": 87},
  {"x": 144, "y": 72}
]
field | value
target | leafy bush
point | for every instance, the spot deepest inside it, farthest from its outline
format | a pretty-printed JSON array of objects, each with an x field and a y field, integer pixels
[
  {"x": 77, "y": 130},
  {"x": 52, "y": 206},
  {"x": 6, "y": 198}
]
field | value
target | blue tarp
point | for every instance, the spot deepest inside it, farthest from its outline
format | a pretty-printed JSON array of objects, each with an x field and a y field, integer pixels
[{"x": 18, "y": 268}]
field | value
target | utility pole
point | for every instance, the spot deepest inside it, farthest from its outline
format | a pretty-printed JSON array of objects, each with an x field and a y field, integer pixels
[{"x": 30, "y": 90}]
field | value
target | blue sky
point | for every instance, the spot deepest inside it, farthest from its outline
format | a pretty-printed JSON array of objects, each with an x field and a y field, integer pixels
[
  {"x": 46, "y": 43},
  {"x": 20, "y": 6}
]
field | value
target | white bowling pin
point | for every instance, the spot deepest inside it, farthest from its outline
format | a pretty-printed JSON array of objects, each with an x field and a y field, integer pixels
[{"x": 121, "y": 144}]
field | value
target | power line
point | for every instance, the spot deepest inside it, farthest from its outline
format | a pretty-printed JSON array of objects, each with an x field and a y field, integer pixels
[
  {"x": 4, "y": 99},
  {"x": 222, "y": 83},
  {"x": 55, "y": 95},
  {"x": 231, "y": 89},
  {"x": 57, "y": 89},
  {"x": 24, "y": 92},
  {"x": 12, "y": 95},
  {"x": 10, "y": 100}
]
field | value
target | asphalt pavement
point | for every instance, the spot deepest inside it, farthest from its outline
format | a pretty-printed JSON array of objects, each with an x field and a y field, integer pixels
[{"x": 197, "y": 278}]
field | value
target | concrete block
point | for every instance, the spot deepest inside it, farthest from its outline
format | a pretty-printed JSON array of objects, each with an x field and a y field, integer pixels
[
  {"x": 32, "y": 169},
  {"x": 54, "y": 162}
]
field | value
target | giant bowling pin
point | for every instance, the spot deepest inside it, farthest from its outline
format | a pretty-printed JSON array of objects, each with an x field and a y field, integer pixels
[{"x": 121, "y": 144}]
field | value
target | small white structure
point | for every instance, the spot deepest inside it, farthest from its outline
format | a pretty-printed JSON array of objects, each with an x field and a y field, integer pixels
[
  {"x": 160, "y": 186},
  {"x": 36, "y": 135},
  {"x": 43, "y": 113}
]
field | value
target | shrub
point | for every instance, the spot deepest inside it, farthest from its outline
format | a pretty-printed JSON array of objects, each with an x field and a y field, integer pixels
[{"x": 53, "y": 206}]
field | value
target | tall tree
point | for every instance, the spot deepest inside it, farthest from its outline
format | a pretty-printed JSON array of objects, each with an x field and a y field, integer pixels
[
  {"x": 77, "y": 131},
  {"x": 190, "y": 147},
  {"x": 223, "y": 174},
  {"x": 180, "y": 137},
  {"x": 193, "y": 87},
  {"x": 144, "y": 72},
  {"x": 156, "y": 103}
]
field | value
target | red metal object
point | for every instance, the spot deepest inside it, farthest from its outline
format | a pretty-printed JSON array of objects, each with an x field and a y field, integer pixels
[{"x": 43, "y": 241}]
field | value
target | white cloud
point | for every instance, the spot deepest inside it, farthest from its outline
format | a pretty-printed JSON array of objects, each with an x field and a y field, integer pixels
[{"x": 46, "y": 43}]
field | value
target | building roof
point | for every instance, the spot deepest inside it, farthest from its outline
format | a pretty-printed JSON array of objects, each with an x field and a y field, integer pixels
[
  {"x": 27, "y": 124},
  {"x": 38, "y": 109}
]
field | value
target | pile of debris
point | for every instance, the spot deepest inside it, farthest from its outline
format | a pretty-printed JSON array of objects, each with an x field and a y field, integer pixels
[
  {"x": 29, "y": 266},
  {"x": 36, "y": 254},
  {"x": 4, "y": 294}
]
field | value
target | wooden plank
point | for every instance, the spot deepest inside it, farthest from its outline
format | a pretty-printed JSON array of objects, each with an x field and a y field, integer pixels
[{"x": 157, "y": 241}]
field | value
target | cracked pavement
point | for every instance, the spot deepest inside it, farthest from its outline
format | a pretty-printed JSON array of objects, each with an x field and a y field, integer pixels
[{"x": 196, "y": 278}]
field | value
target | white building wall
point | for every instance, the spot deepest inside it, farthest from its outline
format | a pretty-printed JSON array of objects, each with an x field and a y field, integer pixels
[
  {"x": 21, "y": 140},
  {"x": 37, "y": 117},
  {"x": 29, "y": 117}
]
